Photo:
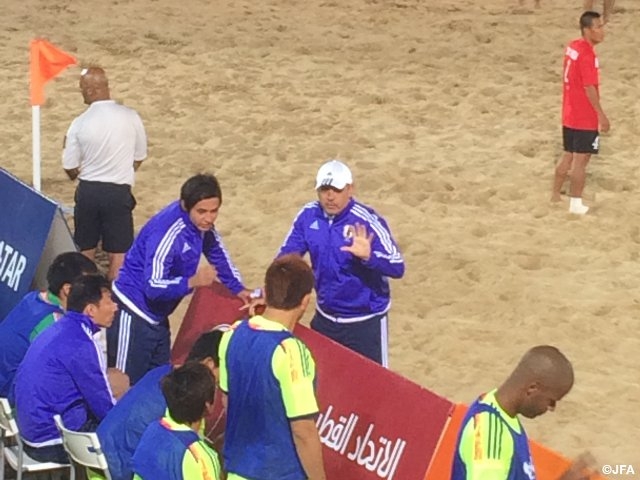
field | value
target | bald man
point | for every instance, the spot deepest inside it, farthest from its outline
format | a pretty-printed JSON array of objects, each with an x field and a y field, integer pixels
[
  {"x": 103, "y": 148},
  {"x": 492, "y": 444}
]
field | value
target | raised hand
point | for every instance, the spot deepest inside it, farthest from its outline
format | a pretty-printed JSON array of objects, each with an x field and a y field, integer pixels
[{"x": 361, "y": 245}]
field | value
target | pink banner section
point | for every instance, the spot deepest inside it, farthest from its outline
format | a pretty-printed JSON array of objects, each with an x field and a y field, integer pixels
[
  {"x": 374, "y": 424},
  {"x": 209, "y": 307}
]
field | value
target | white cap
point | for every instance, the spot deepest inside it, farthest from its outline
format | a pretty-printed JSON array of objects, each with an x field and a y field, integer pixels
[{"x": 334, "y": 174}]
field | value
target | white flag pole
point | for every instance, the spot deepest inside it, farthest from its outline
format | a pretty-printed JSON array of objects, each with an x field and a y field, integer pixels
[{"x": 35, "y": 127}]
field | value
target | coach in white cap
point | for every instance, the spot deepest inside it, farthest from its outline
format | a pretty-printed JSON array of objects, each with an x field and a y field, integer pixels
[{"x": 353, "y": 255}]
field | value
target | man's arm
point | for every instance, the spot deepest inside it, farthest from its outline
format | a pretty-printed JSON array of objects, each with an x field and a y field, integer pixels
[
  {"x": 160, "y": 256},
  {"x": 72, "y": 173},
  {"x": 71, "y": 152},
  {"x": 136, "y": 165},
  {"x": 294, "y": 367},
  {"x": 587, "y": 65},
  {"x": 140, "y": 149},
  {"x": 216, "y": 253},
  {"x": 594, "y": 99},
  {"x": 295, "y": 241},
  {"x": 308, "y": 447},
  {"x": 91, "y": 380}
]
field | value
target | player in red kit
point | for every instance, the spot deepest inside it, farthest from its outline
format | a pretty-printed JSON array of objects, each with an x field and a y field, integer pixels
[{"x": 582, "y": 115}]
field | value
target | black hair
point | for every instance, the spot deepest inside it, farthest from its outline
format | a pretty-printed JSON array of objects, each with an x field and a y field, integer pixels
[
  {"x": 587, "y": 18},
  {"x": 187, "y": 390},
  {"x": 87, "y": 290},
  {"x": 65, "y": 268},
  {"x": 199, "y": 187},
  {"x": 206, "y": 347}
]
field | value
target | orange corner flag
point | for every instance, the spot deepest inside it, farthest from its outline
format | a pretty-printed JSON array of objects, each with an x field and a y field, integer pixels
[{"x": 46, "y": 61}]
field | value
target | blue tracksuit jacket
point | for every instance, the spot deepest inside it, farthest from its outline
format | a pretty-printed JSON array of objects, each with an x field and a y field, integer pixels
[
  {"x": 346, "y": 287},
  {"x": 62, "y": 373},
  {"x": 164, "y": 255}
]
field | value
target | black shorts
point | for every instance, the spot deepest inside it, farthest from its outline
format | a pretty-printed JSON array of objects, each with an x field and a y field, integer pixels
[
  {"x": 103, "y": 212},
  {"x": 136, "y": 346},
  {"x": 580, "y": 141}
]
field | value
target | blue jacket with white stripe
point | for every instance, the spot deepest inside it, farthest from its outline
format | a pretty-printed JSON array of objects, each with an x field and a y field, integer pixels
[
  {"x": 346, "y": 287},
  {"x": 164, "y": 255},
  {"x": 63, "y": 373}
]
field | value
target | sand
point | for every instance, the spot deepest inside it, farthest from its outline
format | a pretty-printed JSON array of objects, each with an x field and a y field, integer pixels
[{"x": 448, "y": 114}]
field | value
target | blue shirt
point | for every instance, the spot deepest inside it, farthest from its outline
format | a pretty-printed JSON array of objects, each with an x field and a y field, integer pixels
[
  {"x": 122, "y": 428},
  {"x": 35, "y": 312},
  {"x": 155, "y": 275}
]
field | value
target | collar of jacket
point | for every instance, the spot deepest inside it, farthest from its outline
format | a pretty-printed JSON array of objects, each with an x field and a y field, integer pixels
[{"x": 83, "y": 319}]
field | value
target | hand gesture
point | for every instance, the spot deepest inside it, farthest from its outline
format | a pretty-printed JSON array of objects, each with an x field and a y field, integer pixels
[
  {"x": 580, "y": 469},
  {"x": 256, "y": 303},
  {"x": 245, "y": 295},
  {"x": 205, "y": 276},
  {"x": 361, "y": 245}
]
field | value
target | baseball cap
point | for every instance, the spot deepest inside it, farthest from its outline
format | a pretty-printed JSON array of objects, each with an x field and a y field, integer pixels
[{"x": 335, "y": 174}]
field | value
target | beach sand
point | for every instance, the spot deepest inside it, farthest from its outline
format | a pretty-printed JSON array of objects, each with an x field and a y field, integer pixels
[{"x": 448, "y": 113}]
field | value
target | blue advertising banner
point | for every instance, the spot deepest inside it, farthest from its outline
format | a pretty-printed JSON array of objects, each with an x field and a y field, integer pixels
[{"x": 26, "y": 221}]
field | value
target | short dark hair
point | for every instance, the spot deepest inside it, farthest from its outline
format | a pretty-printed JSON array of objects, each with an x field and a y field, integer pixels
[
  {"x": 587, "y": 18},
  {"x": 87, "y": 290},
  {"x": 187, "y": 390},
  {"x": 288, "y": 279},
  {"x": 199, "y": 187},
  {"x": 206, "y": 347},
  {"x": 65, "y": 268}
]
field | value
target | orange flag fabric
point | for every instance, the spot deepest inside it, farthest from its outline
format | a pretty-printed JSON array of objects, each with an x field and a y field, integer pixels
[{"x": 46, "y": 61}]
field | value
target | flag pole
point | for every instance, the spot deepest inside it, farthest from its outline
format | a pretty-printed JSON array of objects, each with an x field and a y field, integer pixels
[
  {"x": 35, "y": 128},
  {"x": 45, "y": 62}
]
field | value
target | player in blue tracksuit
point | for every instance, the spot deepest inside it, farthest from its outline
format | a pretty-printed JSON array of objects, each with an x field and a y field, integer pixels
[
  {"x": 36, "y": 312},
  {"x": 353, "y": 255},
  {"x": 64, "y": 373},
  {"x": 161, "y": 268}
]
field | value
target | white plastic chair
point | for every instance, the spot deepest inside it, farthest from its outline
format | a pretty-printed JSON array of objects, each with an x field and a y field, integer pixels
[
  {"x": 14, "y": 454},
  {"x": 83, "y": 448}
]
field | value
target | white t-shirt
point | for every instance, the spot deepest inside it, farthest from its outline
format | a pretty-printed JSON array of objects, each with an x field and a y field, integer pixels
[{"x": 104, "y": 141}]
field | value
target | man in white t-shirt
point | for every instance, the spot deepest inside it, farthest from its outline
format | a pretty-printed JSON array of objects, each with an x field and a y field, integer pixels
[{"x": 103, "y": 148}]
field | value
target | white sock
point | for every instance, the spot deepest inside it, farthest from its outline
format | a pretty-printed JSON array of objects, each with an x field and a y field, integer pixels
[{"x": 576, "y": 206}]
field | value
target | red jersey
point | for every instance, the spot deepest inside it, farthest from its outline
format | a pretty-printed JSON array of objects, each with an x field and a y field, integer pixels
[{"x": 581, "y": 69}]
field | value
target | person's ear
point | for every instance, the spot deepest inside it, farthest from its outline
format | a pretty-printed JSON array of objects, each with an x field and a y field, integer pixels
[
  {"x": 533, "y": 388},
  {"x": 209, "y": 363},
  {"x": 64, "y": 291},
  {"x": 305, "y": 301},
  {"x": 183, "y": 205},
  {"x": 90, "y": 310}
]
